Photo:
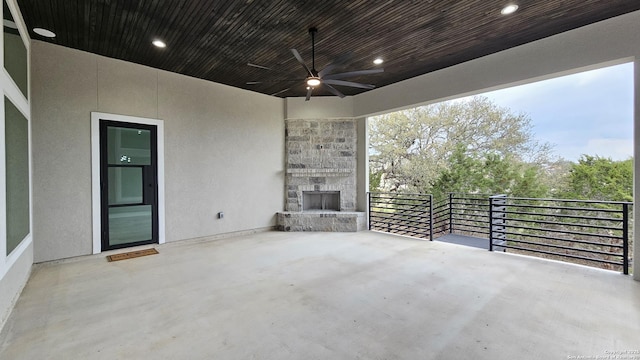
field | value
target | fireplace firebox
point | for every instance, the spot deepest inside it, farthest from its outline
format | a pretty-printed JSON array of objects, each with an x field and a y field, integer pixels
[{"x": 321, "y": 200}]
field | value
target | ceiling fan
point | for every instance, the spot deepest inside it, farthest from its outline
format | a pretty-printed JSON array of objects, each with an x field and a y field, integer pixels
[{"x": 322, "y": 78}]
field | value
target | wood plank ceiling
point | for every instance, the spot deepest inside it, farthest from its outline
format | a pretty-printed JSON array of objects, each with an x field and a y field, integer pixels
[{"x": 215, "y": 39}]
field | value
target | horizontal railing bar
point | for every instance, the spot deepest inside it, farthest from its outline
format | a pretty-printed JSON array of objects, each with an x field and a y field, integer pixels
[
  {"x": 564, "y": 224},
  {"x": 391, "y": 216},
  {"x": 470, "y": 216},
  {"x": 573, "y": 200},
  {"x": 403, "y": 210},
  {"x": 466, "y": 221},
  {"x": 560, "y": 239},
  {"x": 402, "y": 230},
  {"x": 484, "y": 204},
  {"x": 619, "y": 211},
  {"x": 476, "y": 227},
  {"x": 475, "y": 224},
  {"x": 565, "y": 248},
  {"x": 411, "y": 213},
  {"x": 559, "y": 231},
  {"x": 388, "y": 198},
  {"x": 390, "y": 220},
  {"x": 561, "y": 255},
  {"x": 403, "y": 198},
  {"x": 403, "y": 225},
  {"x": 484, "y": 209},
  {"x": 399, "y": 194},
  {"x": 564, "y": 216},
  {"x": 399, "y": 205},
  {"x": 478, "y": 198}
]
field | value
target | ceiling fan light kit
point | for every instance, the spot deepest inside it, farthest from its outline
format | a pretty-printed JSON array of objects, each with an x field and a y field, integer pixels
[{"x": 323, "y": 78}]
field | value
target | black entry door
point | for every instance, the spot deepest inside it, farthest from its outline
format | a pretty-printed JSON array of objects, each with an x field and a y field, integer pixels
[{"x": 128, "y": 184}]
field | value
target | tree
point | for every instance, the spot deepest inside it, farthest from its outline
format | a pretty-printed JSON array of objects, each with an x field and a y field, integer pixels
[
  {"x": 598, "y": 178},
  {"x": 411, "y": 148},
  {"x": 489, "y": 174}
]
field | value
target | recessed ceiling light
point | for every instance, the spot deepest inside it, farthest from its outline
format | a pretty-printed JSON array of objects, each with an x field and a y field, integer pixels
[
  {"x": 159, "y": 43},
  {"x": 378, "y": 61},
  {"x": 509, "y": 9},
  {"x": 44, "y": 32}
]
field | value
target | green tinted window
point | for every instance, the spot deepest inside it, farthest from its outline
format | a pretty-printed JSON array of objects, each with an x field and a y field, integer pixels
[
  {"x": 17, "y": 165},
  {"x": 15, "y": 53}
]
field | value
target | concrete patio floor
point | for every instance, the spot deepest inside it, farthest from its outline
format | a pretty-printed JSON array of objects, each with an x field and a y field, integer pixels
[{"x": 363, "y": 295}]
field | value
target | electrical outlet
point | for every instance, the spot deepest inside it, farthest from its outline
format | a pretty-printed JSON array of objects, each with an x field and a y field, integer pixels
[{"x": 220, "y": 215}]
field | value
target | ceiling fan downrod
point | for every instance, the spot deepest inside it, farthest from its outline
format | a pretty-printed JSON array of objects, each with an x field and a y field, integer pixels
[{"x": 313, "y": 32}]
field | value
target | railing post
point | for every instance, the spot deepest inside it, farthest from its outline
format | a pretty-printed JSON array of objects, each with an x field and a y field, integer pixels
[
  {"x": 369, "y": 207},
  {"x": 450, "y": 213},
  {"x": 430, "y": 217},
  {"x": 490, "y": 223},
  {"x": 497, "y": 221},
  {"x": 625, "y": 238}
]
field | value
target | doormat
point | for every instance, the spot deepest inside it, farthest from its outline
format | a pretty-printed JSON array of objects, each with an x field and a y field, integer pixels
[{"x": 132, "y": 254}]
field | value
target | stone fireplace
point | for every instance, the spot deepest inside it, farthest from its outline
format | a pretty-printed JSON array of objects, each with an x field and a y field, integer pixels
[{"x": 321, "y": 176}]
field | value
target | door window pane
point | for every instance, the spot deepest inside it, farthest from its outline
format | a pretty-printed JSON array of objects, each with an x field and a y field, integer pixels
[
  {"x": 128, "y": 224},
  {"x": 17, "y": 165},
  {"x": 125, "y": 185},
  {"x": 128, "y": 146},
  {"x": 15, "y": 53}
]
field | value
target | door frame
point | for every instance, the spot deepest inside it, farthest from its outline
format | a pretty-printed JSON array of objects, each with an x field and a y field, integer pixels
[{"x": 95, "y": 172}]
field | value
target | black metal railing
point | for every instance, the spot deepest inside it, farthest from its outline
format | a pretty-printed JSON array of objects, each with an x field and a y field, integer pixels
[
  {"x": 595, "y": 233},
  {"x": 404, "y": 214},
  {"x": 469, "y": 214},
  {"x": 441, "y": 217},
  {"x": 583, "y": 231}
]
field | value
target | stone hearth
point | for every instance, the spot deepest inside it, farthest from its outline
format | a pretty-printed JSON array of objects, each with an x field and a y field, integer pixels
[{"x": 321, "y": 157}]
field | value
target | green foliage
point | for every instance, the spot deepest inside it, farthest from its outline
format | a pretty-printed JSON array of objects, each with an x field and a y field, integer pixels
[
  {"x": 598, "y": 178},
  {"x": 488, "y": 174},
  {"x": 374, "y": 181}
]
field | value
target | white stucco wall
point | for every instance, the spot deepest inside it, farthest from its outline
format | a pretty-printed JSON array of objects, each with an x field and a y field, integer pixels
[{"x": 224, "y": 148}]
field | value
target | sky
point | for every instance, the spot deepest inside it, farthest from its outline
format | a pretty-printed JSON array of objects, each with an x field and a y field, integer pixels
[{"x": 585, "y": 113}]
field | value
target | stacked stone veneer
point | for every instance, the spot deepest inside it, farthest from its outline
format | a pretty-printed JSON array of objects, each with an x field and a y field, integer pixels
[{"x": 321, "y": 156}]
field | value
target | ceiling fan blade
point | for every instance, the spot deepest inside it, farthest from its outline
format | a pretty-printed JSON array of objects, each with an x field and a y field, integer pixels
[
  {"x": 309, "y": 90},
  {"x": 340, "y": 60},
  {"x": 353, "y": 73},
  {"x": 259, "y": 66},
  {"x": 296, "y": 54},
  {"x": 348, "y": 83},
  {"x": 279, "y": 92},
  {"x": 333, "y": 90}
]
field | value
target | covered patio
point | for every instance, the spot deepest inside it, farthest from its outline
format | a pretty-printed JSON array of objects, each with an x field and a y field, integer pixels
[
  {"x": 223, "y": 166},
  {"x": 278, "y": 295}
]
